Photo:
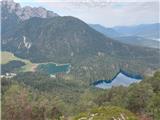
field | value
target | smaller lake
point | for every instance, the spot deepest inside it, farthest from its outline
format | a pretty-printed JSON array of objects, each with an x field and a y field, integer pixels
[
  {"x": 52, "y": 68},
  {"x": 121, "y": 79}
]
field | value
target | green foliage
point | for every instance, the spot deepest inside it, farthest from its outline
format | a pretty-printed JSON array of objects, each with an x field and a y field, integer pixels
[
  {"x": 8, "y": 58},
  {"x": 5, "y": 83},
  {"x": 142, "y": 98},
  {"x": 154, "y": 81},
  {"x": 20, "y": 103},
  {"x": 52, "y": 68},
  {"x": 65, "y": 93},
  {"x": 34, "y": 96},
  {"x": 12, "y": 66},
  {"x": 70, "y": 40},
  {"x": 138, "y": 97},
  {"x": 154, "y": 106},
  {"x": 106, "y": 113},
  {"x": 44, "y": 97}
]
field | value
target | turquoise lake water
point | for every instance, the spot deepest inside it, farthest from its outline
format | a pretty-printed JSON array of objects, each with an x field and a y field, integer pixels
[
  {"x": 52, "y": 68},
  {"x": 120, "y": 80}
]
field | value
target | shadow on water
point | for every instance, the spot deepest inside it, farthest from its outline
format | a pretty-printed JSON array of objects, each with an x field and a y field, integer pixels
[
  {"x": 52, "y": 68},
  {"x": 121, "y": 78}
]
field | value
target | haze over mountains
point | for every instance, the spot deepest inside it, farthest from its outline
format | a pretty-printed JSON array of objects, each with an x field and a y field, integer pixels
[
  {"x": 42, "y": 38},
  {"x": 50, "y": 64},
  {"x": 146, "y": 35},
  {"x": 145, "y": 30},
  {"x": 110, "y": 32}
]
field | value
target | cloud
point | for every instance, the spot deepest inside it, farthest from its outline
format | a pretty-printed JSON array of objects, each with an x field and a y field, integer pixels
[
  {"x": 85, "y": 1},
  {"x": 105, "y": 12}
]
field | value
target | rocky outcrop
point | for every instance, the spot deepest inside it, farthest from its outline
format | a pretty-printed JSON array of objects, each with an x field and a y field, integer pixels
[{"x": 27, "y": 12}]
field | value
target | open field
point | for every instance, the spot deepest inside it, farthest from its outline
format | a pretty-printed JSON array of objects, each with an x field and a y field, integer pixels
[{"x": 6, "y": 57}]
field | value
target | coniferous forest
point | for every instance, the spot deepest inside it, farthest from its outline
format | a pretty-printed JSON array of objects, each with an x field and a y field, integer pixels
[{"x": 80, "y": 60}]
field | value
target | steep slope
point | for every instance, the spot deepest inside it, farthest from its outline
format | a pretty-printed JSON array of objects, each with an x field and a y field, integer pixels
[
  {"x": 70, "y": 40},
  {"x": 9, "y": 21},
  {"x": 24, "y": 13},
  {"x": 60, "y": 37},
  {"x": 66, "y": 38},
  {"x": 12, "y": 14}
]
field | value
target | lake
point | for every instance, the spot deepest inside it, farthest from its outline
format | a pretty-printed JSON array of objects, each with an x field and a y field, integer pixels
[
  {"x": 121, "y": 79},
  {"x": 52, "y": 68}
]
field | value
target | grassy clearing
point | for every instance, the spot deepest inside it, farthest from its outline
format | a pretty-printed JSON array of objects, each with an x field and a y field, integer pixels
[
  {"x": 6, "y": 57},
  {"x": 107, "y": 113}
]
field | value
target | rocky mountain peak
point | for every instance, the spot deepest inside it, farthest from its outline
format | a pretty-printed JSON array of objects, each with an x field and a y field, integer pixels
[
  {"x": 27, "y": 12},
  {"x": 7, "y": 1}
]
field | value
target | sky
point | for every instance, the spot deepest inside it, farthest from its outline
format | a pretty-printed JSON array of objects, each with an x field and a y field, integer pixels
[{"x": 105, "y": 12}]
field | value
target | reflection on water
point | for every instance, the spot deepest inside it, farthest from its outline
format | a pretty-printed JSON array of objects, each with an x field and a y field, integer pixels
[
  {"x": 120, "y": 79},
  {"x": 52, "y": 68}
]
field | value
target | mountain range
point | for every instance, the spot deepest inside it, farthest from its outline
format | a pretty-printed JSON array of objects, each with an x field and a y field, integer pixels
[
  {"x": 110, "y": 32},
  {"x": 43, "y": 38},
  {"x": 151, "y": 31},
  {"x": 37, "y": 42},
  {"x": 146, "y": 35},
  {"x": 27, "y": 12},
  {"x": 139, "y": 41}
]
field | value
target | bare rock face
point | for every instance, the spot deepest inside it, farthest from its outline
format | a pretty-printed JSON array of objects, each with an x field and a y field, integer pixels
[{"x": 27, "y": 12}]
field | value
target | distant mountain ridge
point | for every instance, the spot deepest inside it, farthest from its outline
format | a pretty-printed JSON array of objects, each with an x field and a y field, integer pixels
[
  {"x": 143, "y": 30},
  {"x": 139, "y": 41},
  {"x": 147, "y": 35},
  {"x": 110, "y": 32},
  {"x": 70, "y": 40},
  {"x": 24, "y": 13}
]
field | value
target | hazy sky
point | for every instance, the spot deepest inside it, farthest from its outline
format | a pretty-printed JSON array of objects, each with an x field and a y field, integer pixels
[{"x": 105, "y": 12}]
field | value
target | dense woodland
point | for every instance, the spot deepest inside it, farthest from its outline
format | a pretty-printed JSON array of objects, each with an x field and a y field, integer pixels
[
  {"x": 34, "y": 96},
  {"x": 12, "y": 66},
  {"x": 92, "y": 55},
  {"x": 66, "y": 39}
]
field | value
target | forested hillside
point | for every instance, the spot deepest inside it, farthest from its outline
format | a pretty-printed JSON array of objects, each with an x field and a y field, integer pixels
[
  {"x": 66, "y": 39},
  {"x": 43, "y": 98},
  {"x": 55, "y": 60}
]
